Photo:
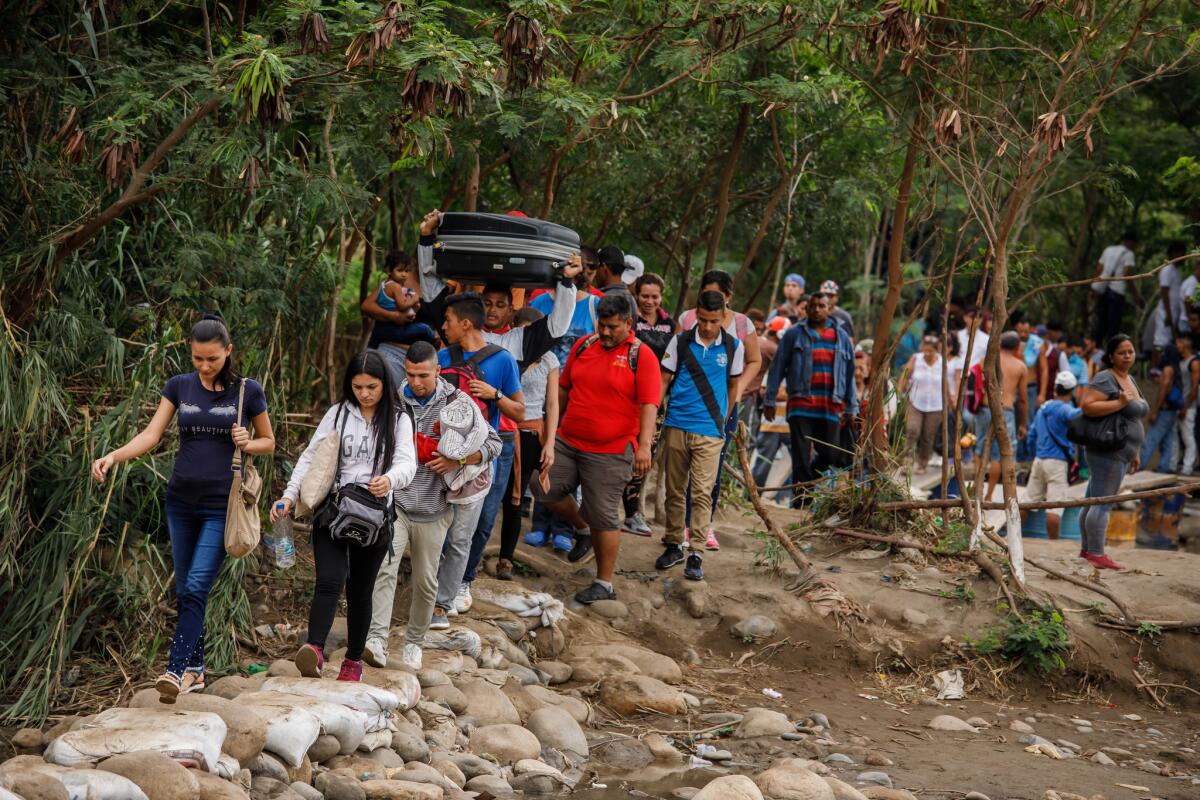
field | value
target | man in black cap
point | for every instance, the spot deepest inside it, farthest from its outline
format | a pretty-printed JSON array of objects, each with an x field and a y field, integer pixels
[{"x": 609, "y": 271}]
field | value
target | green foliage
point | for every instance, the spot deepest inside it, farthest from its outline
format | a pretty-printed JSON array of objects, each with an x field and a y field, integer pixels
[
  {"x": 1036, "y": 642},
  {"x": 769, "y": 551},
  {"x": 130, "y": 206},
  {"x": 1149, "y": 630},
  {"x": 963, "y": 594},
  {"x": 956, "y": 538}
]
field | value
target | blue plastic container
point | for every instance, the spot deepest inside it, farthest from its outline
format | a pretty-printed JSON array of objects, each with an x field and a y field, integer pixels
[{"x": 1034, "y": 526}]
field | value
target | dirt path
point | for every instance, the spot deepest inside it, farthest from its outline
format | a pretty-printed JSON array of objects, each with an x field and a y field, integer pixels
[{"x": 873, "y": 679}]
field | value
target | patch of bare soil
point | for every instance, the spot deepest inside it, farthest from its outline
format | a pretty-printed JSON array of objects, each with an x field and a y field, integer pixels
[{"x": 872, "y": 676}]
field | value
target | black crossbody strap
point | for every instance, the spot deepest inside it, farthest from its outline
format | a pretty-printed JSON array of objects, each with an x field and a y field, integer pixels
[{"x": 689, "y": 362}]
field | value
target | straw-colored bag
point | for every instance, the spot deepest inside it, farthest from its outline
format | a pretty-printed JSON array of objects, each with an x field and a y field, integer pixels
[
  {"x": 243, "y": 525},
  {"x": 322, "y": 470}
]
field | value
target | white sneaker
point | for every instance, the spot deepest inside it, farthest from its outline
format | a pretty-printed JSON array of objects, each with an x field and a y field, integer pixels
[
  {"x": 439, "y": 621},
  {"x": 411, "y": 656},
  {"x": 462, "y": 603},
  {"x": 375, "y": 653}
]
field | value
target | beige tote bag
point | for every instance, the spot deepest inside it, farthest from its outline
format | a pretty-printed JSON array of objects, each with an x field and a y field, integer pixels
[
  {"x": 243, "y": 525},
  {"x": 322, "y": 471}
]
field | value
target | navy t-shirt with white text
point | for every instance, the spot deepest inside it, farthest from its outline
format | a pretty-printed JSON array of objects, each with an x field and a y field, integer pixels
[{"x": 202, "y": 474}]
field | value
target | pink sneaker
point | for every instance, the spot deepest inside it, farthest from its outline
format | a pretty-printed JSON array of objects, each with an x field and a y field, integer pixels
[
  {"x": 711, "y": 543},
  {"x": 351, "y": 671},
  {"x": 310, "y": 660}
]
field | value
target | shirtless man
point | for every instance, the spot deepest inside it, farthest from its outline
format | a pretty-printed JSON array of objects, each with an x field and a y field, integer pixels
[{"x": 1015, "y": 402}]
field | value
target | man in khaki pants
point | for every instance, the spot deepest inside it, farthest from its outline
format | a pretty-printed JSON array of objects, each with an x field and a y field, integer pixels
[
  {"x": 424, "y": 515},
  {"x": 705, "y": 363}
]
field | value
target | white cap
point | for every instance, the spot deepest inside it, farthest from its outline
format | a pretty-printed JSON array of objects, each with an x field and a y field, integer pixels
[
  {"x": 1065, "y": 380},
  {"x": 634, "y": 269}
]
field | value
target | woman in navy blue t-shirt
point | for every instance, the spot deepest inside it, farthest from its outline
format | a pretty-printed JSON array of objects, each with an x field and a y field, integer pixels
[{"x": 198, "y": 493}]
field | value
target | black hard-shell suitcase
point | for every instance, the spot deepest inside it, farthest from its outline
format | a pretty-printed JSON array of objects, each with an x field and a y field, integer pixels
[{"x": 497, "y": 248}]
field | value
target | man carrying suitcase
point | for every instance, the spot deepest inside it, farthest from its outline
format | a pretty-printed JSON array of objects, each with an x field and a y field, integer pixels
[
  {"x": 525, "y": 345},
  {"x": 610, "y": 388}
]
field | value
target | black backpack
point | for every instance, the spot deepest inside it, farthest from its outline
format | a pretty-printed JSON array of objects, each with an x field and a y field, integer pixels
[{"x": 462, "y": 371}]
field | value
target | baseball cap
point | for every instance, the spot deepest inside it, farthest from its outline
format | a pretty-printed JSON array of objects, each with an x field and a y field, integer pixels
[
  {"x": 634, "y": 269},
  {"x": 612, "y": 256},
  {"x": 1065, "y": 380},
  {"x": 779, "y": 324},
  {"x": 829, "y": 287},
  {"x": 795, "y": 278}
]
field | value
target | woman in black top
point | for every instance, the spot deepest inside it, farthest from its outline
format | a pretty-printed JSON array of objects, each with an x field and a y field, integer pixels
[
  {"x": 653, "y": 326},
  {"x": 206, "y": 402}
]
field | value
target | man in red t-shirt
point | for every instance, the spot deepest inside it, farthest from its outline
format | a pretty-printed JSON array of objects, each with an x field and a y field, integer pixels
[{"x": 610, "y": 388}]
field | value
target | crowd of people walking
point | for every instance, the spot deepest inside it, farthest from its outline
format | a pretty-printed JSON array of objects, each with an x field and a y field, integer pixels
[{"x": 466, "y": 406}]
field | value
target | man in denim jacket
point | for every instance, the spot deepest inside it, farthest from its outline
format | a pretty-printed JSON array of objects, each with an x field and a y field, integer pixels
[{"x": 815, "y": 361}]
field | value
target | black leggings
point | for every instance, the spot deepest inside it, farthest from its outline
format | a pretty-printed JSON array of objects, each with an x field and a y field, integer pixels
[
  {"x": 339, "y": 565},
  {"x": 510, "y": 525}
]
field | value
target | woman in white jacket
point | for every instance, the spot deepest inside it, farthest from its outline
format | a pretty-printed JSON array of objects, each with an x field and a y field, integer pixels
[{"x": 376, "y": 452}]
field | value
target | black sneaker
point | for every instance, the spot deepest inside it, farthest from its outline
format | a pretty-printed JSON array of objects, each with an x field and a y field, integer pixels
[
  {"x": 582, "y": 551},
  {"x": 671, "y": 556},
  {"x": 694, "y": 570},
  {"x": 593, "y": 593}
]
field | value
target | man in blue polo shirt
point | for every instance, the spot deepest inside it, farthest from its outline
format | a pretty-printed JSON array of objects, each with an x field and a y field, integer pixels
[{"x": 705, "y": 362}]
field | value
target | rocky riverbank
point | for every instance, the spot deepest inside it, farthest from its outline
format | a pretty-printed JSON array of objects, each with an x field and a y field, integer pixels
[{"x": 729, "y": 688}]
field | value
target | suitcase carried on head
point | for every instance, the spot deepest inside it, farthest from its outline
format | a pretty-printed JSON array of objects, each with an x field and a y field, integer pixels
[{"x": 497, "y": 248}]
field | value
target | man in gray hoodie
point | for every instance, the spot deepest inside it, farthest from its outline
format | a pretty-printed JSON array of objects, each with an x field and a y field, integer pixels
[{"x": 424, "y": 514}]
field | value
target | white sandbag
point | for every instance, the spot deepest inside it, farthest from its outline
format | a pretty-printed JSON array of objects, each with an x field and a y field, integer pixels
[
  {"x": 461, "y": 639},
  {"x": 193, "y": 738},
  {"x": 378, "y": 704},
  {"x": 228, "y": 767},
  {"x": 291, "y": 730},
  {"x": 376, "y": 740},
  {"x": 346, "y": 724},
  {"x": 84, "y": 784}
]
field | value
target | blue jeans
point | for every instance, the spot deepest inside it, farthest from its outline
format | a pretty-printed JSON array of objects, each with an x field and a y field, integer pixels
[
  {"x": 491, "y": 506},
  {"x": 1105, "y": 474},
  {"x": 1031, "y": 395},
  {"x": 1161, "y": 439},
  {"x": 198, "y": 547}
]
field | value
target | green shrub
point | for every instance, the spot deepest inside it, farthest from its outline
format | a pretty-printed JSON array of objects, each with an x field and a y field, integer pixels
[{"x": 1037, "y": 641}]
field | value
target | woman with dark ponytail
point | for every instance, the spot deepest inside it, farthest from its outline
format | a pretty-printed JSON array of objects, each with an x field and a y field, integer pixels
[{"x": 198, "y": 492}]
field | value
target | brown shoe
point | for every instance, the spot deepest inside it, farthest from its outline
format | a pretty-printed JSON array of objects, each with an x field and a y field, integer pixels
[
  {"x": 504, "y": 570},
  {"x": 168, "y": 687}
]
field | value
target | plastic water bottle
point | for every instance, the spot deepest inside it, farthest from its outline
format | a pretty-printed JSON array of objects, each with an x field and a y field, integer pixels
[{"x": 281, "y": 535}]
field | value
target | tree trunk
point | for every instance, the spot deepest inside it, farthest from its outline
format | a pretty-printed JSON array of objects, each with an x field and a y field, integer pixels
[
  {"x": 723, "y": 189},
  {"x": 393, "y": 220},
  {"x": 991, "y": 370},
  {"x": 472, "y": 199},
  {"x": 881, "y": 367},
  {"x": 1080, "y": 264}
]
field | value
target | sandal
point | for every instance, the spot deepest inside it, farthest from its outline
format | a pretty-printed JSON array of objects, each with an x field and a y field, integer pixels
[
  {"x": 193, "y": 681},
  {"x": 168, "y": 686}
]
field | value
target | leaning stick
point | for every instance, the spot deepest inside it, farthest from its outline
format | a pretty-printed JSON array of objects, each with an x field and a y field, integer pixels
[
  {"x": 908, "y": 505},
  {"x": 807, "y": 573}
]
